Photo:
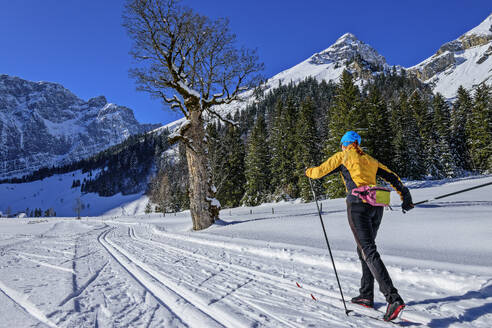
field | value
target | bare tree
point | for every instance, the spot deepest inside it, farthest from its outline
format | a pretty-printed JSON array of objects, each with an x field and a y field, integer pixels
[
  {"x": 78, "y": 207},
  {"x": 192, "y": 64}
]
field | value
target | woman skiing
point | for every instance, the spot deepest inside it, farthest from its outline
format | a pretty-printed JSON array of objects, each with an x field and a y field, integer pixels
[{"x": 359, "y": 172}]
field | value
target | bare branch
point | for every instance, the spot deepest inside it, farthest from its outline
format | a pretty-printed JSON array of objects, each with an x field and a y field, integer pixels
[
  {"x": 179, "y": 134},
  {"x": 220, "y": 117},
  {"x": 180, "y": 52},
  {"x": 175, "y": 103}
]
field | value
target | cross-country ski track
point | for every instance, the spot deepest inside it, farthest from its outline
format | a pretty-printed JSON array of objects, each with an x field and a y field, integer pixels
[{"x": 249, "y": 270}]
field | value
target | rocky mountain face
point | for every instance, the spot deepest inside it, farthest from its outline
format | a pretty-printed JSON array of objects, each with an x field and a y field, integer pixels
[
  {"x": 43, "y": 124},
  {"x": 465, "y": 61}
]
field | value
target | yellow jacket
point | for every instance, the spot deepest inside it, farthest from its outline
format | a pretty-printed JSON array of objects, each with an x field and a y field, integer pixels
[{"x": 357, "y": 169}]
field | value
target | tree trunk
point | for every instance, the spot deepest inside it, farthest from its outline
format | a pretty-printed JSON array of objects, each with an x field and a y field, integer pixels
[{"x": 203, "y": 206}]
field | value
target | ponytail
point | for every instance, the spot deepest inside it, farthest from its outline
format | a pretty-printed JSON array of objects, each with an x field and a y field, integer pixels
[{"x": 358, "y": 149}]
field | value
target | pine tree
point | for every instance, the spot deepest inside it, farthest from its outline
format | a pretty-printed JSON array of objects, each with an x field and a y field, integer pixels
[
  {"x": 307, "y": 150},
  {"x": 479, "y": 129},
  {"x": 460, "y": 116},
  {"x": 345, "y": 114},
  {"x": 276, "y": 145},
  {"x": 441, "y": 124},
  {"x": 377, "y": 141},
  {"x": 148, "y": 208},
  {"x": 257, "y": 165},
  {"x": 231, "y": 191},
  {"x": 178, "y": 175},
  {"x": 407, "y": 144},
  {"x": 283, "y": 143},
  {"x": 432, "y": 156},
  {"x": 400, "y": 158},
  {"x": 416, "y": 130}
]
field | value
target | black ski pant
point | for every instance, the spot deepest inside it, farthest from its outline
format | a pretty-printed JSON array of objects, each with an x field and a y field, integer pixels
[{"x": 364, "y": 220}]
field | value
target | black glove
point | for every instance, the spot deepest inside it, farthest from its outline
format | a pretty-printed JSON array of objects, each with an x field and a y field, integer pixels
[{"x": 407, "y": 204}]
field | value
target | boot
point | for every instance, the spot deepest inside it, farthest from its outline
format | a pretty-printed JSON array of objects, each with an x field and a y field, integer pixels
[
  {"x": 394, "y": 309},
  {"x": 364, "y": 301}
]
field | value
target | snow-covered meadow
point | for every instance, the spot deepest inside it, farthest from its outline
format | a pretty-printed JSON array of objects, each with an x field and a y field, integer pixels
[
  {"x": 141, "y": 270},
  {"x": 56, "y": 192}
]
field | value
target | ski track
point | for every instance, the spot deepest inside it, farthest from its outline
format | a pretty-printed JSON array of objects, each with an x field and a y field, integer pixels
[
  {"x": 409, "y": 314},
  {"x": 265, "y": 280},
  {"x": 152, "y": 281},
  {"x": 184, "y": 296},
  {"x": 74, "y": 309},
  {"x": 35, "y": 255},
  {"x": 448, "y": 281},
  {"x": 83, "y": 287},
  {"x": 330, "y": 299},
  {"x": 51, "y": 266},
  {"x": 21, "y": 300}
]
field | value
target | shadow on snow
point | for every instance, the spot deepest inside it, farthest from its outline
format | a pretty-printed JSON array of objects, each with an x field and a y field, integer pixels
[{"x": 469, "y": 314}]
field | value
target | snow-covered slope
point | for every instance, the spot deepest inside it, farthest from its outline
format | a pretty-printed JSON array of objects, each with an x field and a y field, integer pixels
[
  {"x": 56, "y": 192},
  {"x": 152, "y": 271},
  {"x": 466, "y": 61},
  {"x": 43, "y": 124},
  {"x": 347, "y": 52}
]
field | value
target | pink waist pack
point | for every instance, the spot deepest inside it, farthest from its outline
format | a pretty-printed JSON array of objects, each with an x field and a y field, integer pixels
[{"x": 373, "y": 195}]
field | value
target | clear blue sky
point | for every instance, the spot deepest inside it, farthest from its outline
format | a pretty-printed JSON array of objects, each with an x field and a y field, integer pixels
[{"x": 82, "y": 45}]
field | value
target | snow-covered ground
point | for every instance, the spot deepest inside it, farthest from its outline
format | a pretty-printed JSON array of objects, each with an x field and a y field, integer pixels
[
  {"x": 152, "y": 271},
  {"x": 56, "y": 192}
]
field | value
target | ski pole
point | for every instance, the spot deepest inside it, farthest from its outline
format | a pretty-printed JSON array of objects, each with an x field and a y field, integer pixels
[
  {"x": 329, "y": 248},
  {"x": 453, "y": 193}
]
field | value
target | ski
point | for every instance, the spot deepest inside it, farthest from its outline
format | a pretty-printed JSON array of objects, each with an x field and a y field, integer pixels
[{"x": 396, "y": 321}]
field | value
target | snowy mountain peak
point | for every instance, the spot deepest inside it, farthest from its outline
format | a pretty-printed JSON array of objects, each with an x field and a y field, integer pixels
[
  {"x": 466, "y": 61},
  {"x": 347, "y": 53},
  {"x": 348, "y": 47},
  {"x": 347, "y": 37},
  {"x": 485, "y": 28}
]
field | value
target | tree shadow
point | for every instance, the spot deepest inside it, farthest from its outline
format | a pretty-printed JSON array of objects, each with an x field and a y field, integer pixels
[
  {"x": 221, "y": 222},
  {"x": 213, "y": 275},
  {"x": 470, "y": 314},
  {"x": 230, "y": 292}
]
